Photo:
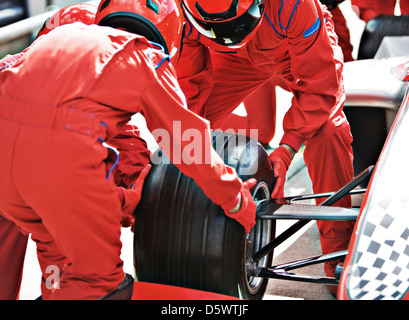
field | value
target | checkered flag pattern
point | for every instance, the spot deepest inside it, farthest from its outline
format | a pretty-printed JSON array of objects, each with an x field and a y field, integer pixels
[{"x": 380, "y": 265}]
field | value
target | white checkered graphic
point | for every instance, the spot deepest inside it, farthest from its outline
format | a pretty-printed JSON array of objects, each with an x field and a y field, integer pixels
[{"x": 381, "y": 259}]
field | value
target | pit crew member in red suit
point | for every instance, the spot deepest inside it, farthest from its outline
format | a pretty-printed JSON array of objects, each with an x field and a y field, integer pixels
[
  {"x": 232, "y": 47},
  {"x": 260, "y": 105},
  {"x": 59, "y": 115},
  {"x": 369, "y": 9},
  {"x": 13, "y": 242},
  {"x": 133, "y": 157}
]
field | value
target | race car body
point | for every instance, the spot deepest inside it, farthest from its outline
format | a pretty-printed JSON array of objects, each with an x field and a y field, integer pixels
[{"x": 377, "y": 265}]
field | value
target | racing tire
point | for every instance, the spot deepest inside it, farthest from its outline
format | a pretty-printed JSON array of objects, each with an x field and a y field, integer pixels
[{"x": 182, "y": 238}]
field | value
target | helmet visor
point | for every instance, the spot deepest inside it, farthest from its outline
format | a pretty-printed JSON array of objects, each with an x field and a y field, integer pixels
[{"x": 230, "y": 33}]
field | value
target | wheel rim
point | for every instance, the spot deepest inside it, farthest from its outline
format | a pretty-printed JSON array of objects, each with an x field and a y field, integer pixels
[{"x": 258, "y": 237}]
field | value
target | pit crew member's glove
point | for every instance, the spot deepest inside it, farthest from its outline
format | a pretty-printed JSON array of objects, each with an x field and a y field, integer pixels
[
  {"x": 243, "y": 208},
  {"x": 130, "y": 198},
  {"x": 280, "y": 159}
]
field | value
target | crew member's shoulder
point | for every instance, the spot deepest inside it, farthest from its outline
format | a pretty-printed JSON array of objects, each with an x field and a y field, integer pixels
[{"x": 285, "y": 10}]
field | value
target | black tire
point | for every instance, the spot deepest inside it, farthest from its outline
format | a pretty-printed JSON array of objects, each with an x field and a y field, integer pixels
[{"x": 182, "y": 238}]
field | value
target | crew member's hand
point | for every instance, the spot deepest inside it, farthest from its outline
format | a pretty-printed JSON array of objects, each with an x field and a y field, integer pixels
[
  {"x": 280, "y": 159},
  {"x": 130, "y": 198},
  {"x": 244, "y": 209}
]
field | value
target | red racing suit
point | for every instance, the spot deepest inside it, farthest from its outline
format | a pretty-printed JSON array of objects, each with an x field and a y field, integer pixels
[
  {"x": 13, "y": 243},
  {"x": 295, "y": 43},
  {"x": 73, "y": 89},
  {"x": 133, "y": 157},
  {"x": 369, "y": 9},
  {"x": 260, "y": 104}
]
